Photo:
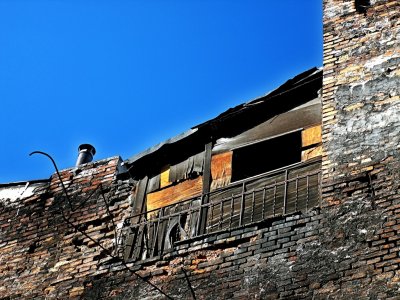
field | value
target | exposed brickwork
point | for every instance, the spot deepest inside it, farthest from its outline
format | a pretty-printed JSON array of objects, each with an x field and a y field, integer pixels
[
  {"x": 361, "y": 138},
  {"x": 334, "y": 252},
  {"x": 347, "y": 249},
  {"x": 361, "y": 86},
  {"x": 41, "y": 255},
  {"x": 337, "y": 251}
]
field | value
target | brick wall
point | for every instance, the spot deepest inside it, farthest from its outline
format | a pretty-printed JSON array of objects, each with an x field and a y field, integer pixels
[
  {"x": 347, "y": 248},
  {"x": 41, "y": 254},
  {"x": 361, "y": 86},
  {"x": 361, "y": 135}
]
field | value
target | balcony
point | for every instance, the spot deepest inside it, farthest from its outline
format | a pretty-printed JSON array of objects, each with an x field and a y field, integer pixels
[{"x": 295, "y": 188}]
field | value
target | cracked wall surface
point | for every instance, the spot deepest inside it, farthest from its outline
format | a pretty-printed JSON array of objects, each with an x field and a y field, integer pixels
[{"x": 361, "y": 98}]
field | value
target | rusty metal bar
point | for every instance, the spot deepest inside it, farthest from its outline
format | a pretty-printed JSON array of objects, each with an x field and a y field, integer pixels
[
  {"x": 285, "y": 192},
  {"x": 297, "y": 193},
  {"x": 308, "y": 192},
  {"x": 242, "y": 204},
  {"x": 221, "y": 211},
  {"x": 319, "y": 188},
  {"x": 211, "y": 209},
  {"x": 252, "y": 207},
  {"x": 232, "y": 208},
  {"x": 263, "y": 204},
  {"x": 274, "y": 203}
]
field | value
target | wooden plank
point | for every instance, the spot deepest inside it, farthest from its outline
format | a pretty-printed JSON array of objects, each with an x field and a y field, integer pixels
[
  {"x": 138, "y": 204},
  {"x": 137, "y": 207},
  {"x": 206, "y": 187},
  {"x": 207, "y": 169},
  {"x": 175, "y": 193},
  {"x": 311, "y": 136},
  {"x": 311, "y": 153},
  {"x": 164, "y": 179},
  {"x": 221, "y": 169}
]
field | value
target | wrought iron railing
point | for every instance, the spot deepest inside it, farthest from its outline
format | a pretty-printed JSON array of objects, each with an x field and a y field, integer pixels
[{"x": 280, "y": 192}]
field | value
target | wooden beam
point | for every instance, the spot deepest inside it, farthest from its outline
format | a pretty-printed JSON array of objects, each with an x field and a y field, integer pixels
[
  {"x": 138, "y": 205},
  {"x": 206, "y": 187}
]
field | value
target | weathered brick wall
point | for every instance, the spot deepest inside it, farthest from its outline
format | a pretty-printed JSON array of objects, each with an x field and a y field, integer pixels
[
  {"x": 347, "y": 249},
  {"x": 41, "y": 255},
  {"x": 361, "y": 87},
  {"x": 361, "y": 135},
  {"x": 44, "y": 253},
  {"x": 334, "y": 252}
]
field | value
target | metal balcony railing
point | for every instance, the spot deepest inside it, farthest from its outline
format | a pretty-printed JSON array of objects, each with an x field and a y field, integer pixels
[{"x": 280, "y": 192}]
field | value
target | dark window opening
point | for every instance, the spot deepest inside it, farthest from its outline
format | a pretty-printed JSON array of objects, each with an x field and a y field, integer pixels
[
  {"x": 266, "y": 156},
  {"x": 362, "y": 5}
]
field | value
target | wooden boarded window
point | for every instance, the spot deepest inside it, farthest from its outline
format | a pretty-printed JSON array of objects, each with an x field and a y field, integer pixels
[
  {"x": 311, "y": 142},
  {"x": 221, "y": 169},
  {"x": 175, "y": 193},
  {"x": 164, "y": 178}
]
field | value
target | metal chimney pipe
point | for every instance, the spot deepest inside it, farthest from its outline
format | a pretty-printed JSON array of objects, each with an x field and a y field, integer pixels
[{"x": 86, "y": 153}]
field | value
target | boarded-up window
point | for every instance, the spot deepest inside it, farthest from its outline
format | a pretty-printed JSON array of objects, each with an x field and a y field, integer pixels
[
  {"x": 175, "y": 193},
  {"x": 165, "y": 177},
  {"x": 221, "y": 169},
  {"x": 311, "y": 142},
  {"x": 311, "y": 136}
]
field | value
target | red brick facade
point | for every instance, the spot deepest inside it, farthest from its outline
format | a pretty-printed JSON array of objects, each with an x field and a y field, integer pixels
[{"x": 52, "y": 247}]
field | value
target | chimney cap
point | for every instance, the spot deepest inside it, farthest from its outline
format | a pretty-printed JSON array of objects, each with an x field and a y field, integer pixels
[{"x": 88, "y": 148}]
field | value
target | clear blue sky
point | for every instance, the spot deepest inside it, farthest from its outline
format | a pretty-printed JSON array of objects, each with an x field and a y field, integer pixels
[{"x": 125, "y": 75}]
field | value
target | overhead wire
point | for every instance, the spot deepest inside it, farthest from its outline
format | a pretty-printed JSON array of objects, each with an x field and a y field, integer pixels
[{"x": 117, "y": 258}]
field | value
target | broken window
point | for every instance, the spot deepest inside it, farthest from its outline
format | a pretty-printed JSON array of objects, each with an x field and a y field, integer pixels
[
  {"x": 266, "y": 155},
  {"x": 362, "y": 5}
]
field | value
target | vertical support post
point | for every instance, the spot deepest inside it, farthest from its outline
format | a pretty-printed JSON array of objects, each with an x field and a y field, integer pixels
[
  {"x": 263, "y": 204},
  {"x": 231, "y": 215},
  {"x": 160, "y": 215},
  {"x": 242, "y": 205},
  {"x": 206, "y": 188},
  {"x": 221, "y": 214},
  {"x": 138, "y": 207},
  {"x": 253, "y": 200},
  {"x": 307, "y": 196},
  {"x": 297, "y": 193},
  {"x": 274, "y": 203},
  {"x": 285, "y": 192},
  {"x": 319, "y": 183}
]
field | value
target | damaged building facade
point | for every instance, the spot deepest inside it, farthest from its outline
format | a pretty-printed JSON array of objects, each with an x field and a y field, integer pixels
[{"x": 292, "y": 195}]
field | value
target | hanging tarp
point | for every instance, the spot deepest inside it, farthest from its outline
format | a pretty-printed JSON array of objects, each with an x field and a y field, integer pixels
[
  {"x": 187, "y": 168},
  {"x": 154, "y": 183}
]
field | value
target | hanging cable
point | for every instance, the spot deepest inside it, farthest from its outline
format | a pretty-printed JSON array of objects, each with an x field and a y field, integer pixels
[{"x": 89, "y": 237}]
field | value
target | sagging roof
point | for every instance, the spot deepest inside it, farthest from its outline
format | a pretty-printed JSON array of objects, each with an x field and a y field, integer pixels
[
  {"x": 301, "y": 90},
  {"x": 298, "y": 81},
  {"x": 159, "y": 146},
  {"x": 306, "y": 115}
]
